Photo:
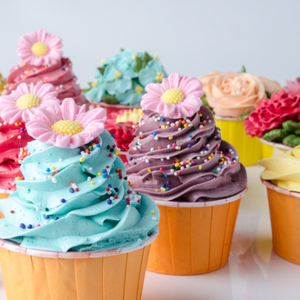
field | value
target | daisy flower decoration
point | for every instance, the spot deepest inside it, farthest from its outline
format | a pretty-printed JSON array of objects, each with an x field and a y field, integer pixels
[
  {"x": 176, "y": 97},
  {"x": 22, "y": 103},
  {"x": 67, "y": 125},
  {"x": 40, "y": 48}
]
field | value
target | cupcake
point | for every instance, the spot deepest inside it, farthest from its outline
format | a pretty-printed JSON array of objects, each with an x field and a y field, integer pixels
[
  {"x": 16, "y": 109},
  {"x": 179, "y": 159},
  {"x": 281, "y": 177},
  {"x": 232, "y": 96},
  {"x": 276, "y": 121},
  {"x": 43, "y": 61},
  {"x": 121, "y": 125},
  {"x": 74, "y": 221},
  {"x": 120, "y": 81}
]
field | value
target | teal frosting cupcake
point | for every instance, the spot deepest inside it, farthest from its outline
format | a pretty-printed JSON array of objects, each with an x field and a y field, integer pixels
[
  {"x": 77, "y": 199},
  {"x": 122, "y": 78}
]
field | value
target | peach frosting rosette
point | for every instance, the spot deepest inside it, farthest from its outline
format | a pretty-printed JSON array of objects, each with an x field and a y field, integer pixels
[{"x": 234, "y": 94}]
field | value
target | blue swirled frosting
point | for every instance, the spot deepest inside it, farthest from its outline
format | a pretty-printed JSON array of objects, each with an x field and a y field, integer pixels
[{"x": 76, "y": 200}]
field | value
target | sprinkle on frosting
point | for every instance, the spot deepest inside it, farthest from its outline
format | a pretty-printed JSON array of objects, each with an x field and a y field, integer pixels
[{"x": 183, "y": 159}]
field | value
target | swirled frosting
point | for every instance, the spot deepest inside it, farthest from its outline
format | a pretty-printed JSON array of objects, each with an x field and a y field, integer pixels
[
  {"x": 282, "y": 169},
  {"x": 59, "y": 74},
  {"x": 78, "y": 200},
  {"x": 13, "y": 142},
  {"x": 183, "y": 159}
]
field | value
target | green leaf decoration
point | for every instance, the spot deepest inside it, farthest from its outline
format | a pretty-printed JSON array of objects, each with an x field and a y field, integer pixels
[
  {"x": 290, "y": 126},
  {"x": 243, "y": 69},
  {"x": 291, "y": 140},
  {"x": 205, "y": 103},
  {"x": 275, "y": 135},
  {"x": 268, "y": 94},
  {"x": 145, "y": 60},
  {"x": 110, "y": 99},
  {"x": 138, "y": 64},
  {"x": 122, "y": 49},
  {"x": 246, "y": 115},
  {"x": 102, "y": 69}
]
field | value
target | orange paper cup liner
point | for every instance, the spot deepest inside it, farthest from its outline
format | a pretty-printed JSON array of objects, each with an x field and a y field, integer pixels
[
  {"x": 194, "y": 238},
  {"x": 284, "y": 213},
  {"x": 44, "y": 275}
]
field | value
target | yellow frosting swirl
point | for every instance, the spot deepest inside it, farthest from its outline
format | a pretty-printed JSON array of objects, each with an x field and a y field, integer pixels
[
  {"x": 283, "y": 169},
  {"x": 130, "y": 116}
]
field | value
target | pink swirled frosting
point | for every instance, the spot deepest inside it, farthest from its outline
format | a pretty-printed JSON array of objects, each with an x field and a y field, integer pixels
[
  {"x": 13, "y": 142},
  {"x": 59, "y": 74}
]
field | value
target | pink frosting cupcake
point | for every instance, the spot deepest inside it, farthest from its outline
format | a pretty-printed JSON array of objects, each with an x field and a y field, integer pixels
[{"x": 43, "y": 61}]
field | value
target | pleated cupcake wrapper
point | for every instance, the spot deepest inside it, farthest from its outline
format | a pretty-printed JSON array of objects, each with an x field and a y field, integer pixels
[
  {"x": 249, "y": 149},
  {"x": 268, "y": 147},
  {"x": 194, "y": 238},
  {"x": 44, "y": 275},
  {"x": 285, "y": 221}
]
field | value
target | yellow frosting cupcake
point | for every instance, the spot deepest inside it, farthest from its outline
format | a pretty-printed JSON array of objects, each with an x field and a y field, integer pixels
[{"x": 130, "y": 116}]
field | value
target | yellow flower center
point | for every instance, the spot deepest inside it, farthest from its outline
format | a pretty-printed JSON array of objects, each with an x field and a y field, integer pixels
[
  {"x": 138, "y": 89},
  {"x": 39, "y": 49},
  {"x": 155, "y": 57},
  {"x": 117, "y": 74},
  {"x": 159, "y": 76},
  {"x": 67, "y": 127},
  {"x": 94, "y": 84},
  {"x": 172, "y": 96},
  {"x": 28, "y": 101},
  {"x": 133, "y": 56},
  {"x": 103, "y": 60}
]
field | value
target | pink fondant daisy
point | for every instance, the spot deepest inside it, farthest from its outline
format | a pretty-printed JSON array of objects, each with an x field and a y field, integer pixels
[
  {"x": 22, "y": 103},
  {"x": 175, "y": 97},
  {"x": 68, "y": 125},
  {"x": 40, "y": 48}
]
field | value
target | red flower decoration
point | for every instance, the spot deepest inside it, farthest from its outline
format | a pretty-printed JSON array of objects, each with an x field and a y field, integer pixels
[
  {"x": 123, "y": 133},
  {"x": 271, "y": 113}
]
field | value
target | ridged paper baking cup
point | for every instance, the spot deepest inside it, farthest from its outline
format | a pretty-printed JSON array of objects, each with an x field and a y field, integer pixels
[
  {"x": 43, "y": 275},
  {"x": 233, "y": 131},
  {"x": 267, "y": 148},
  {"x": 194, "y": 238},
  {"x": 284, "y": 213}
]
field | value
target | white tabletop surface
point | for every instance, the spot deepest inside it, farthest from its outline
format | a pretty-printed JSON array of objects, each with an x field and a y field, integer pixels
[{"x": 254, "y": 270}]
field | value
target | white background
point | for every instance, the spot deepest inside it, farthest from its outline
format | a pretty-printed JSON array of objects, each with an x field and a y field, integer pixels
[{"x": 192, "y": 37}]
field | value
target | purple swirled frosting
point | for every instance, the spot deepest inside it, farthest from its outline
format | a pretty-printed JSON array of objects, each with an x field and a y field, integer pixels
[{"x": 184, "y": 159}]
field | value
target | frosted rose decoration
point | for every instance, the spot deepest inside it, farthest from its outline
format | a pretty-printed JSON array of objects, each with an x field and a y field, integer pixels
[
  {"x": 234, "y": 94},
  {"x": 23, "y": 102},
  {"x": 40, "y": 48},
  {"x": 176, "y": 97},
  {"x": 68, "y": 125},
  {"x": 271, "y": 113}
]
